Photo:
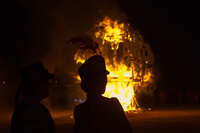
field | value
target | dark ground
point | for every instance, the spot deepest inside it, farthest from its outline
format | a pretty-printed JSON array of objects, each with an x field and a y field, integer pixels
[{"x": 172, "y": 120}]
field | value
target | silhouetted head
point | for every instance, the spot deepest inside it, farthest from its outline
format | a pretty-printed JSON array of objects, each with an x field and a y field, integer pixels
[
  {"x": 35, "y": 81},
  {"x": 93, "y": 75}
]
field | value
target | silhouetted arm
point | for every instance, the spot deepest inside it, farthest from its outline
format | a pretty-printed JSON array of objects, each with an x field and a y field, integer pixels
[{"x": 24, "y": 121}]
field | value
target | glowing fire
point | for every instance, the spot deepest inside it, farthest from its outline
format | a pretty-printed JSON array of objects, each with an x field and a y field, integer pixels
[
  {"x": 125, "y": 59},
  {"x": 112, "y": 32},
  {"x": 120, "y": 85}
]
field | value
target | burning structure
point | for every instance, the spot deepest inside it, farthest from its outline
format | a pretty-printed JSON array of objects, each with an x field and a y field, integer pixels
[{"x": 128, "y": 58}]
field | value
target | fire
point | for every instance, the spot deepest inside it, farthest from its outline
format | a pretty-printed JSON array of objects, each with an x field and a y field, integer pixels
[
  {"x": 127, "y": 58},
  {"x": 112, "y": 32},
  {"x": 80, "y": 55},
  {"x": 120, "y": 85}
]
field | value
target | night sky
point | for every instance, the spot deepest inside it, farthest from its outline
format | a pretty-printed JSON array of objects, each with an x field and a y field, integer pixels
[
  {"x": 172, "y": 29},
  {"x": 32, "y": 30}
]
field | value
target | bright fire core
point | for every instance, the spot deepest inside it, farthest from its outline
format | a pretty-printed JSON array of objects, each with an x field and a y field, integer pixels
[{"x": 126, "y": 60}]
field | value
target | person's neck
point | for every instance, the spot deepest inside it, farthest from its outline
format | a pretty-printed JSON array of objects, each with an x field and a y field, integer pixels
[
  {"x": 31, "y": 101},
  {"x": 94, "y": 96}
]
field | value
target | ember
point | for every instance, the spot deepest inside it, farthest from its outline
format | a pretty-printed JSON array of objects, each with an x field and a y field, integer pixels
[{"x": 128, "y": 58}]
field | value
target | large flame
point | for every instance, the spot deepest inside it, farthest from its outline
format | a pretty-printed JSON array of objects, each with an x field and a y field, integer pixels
[
  {"x": 125, "y": 58},
  {"x": 113, "y": 32},
  {"x": 120, "y": 84}
]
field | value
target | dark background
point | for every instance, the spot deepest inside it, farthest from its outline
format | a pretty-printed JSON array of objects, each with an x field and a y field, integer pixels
[
  {"x": 33, "y": 30},
  {"x": 172, "y": 29}
]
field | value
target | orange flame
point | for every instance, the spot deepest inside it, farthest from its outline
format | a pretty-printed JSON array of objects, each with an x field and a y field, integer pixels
[
  {"x": 112, "y": 32},
  {"x": 125, "y": 76}
]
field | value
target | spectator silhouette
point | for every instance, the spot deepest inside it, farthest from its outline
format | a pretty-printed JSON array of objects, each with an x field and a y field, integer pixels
[
  {"x": 30, "y": 116},
  {"x": 98, "y": 114}
]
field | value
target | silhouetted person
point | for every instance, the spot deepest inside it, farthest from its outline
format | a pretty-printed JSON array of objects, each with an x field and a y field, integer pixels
[
  {"x": 98, "y": 114},
  {"x": 30, "y": 116}
]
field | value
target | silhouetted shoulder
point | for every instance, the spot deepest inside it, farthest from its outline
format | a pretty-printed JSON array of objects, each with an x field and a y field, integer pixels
[
  {"x": 114, "y": 100},
  {"x": 112, "y": 103},
  {"x": 119, "y": 117},
  {"x": 117, "y": 104},
  {"x": 35, "y": 118}
]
